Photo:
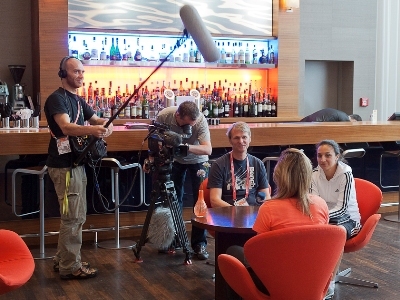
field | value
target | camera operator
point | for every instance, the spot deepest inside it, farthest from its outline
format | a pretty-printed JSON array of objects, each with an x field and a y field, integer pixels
[{"x": 182, "y": 120}]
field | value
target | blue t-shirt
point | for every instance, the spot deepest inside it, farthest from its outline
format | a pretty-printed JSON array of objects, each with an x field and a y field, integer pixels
[{"x": 220, "y": 177}]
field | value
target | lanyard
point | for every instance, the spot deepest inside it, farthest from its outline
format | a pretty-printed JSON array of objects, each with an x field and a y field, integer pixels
[{"x": 234, "y": 179}]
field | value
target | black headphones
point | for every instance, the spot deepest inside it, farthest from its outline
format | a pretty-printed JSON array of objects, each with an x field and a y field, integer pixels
[{"x": 62, "y": 73}]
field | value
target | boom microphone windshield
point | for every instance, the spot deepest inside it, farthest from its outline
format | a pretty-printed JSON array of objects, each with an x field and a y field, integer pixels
[
  {"x": 172, "y": 139},
  {"x": 200, "y": 34}
]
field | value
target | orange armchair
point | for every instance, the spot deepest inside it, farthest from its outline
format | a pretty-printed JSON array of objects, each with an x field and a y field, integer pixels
[
  {"x": 16, "y": 261},
  {"x": 369, "y": 198},
  {"x": 281, "y": 258}
]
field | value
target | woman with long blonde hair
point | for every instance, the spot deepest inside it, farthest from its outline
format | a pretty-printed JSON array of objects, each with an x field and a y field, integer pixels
[{"x": 291, "y": 204}]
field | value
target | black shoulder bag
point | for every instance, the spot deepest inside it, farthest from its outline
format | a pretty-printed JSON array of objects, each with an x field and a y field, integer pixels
[{"x": 98, "y": 149}]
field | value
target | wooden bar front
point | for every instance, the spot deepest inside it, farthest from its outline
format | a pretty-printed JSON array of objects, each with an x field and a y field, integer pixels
[{"x": 35, "y": 141}]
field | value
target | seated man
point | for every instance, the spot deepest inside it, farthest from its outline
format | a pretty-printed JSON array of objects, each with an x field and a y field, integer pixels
[
  {"x": 238, "y": 178},
  {"x": 331, "y": 115}
]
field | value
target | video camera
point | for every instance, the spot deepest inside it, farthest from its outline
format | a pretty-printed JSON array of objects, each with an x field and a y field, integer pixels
[{"x": 164, "y": 145}]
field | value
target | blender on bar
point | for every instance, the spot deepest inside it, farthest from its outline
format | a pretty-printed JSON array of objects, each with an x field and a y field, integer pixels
[{"x": 18, "y": 96}]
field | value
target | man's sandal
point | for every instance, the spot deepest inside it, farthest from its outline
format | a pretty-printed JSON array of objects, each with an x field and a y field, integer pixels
[
  {"x": 81, "y": 273},
  {"x": 56, "y": 265}
]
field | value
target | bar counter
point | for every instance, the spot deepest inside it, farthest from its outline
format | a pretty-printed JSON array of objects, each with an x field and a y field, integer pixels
[{"x": 35, "y": 141}]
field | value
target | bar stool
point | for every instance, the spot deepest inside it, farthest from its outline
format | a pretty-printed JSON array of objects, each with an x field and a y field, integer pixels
[
  {"x": 393, "y": 153},
  {"x": 267, "y": 161},
  {"x": 41, "y": 172},
  {"x": 115, "y": 165},
  {"x": 13, "y": 165},
  {"x": 354, "y": 153}
]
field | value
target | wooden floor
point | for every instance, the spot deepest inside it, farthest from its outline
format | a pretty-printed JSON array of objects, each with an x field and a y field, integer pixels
[{"x": 163, "y": 276}]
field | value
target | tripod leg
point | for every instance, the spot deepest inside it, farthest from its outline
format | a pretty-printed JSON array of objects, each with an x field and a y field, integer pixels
[
  {"x": 143, "y": 237},
  {"x": 178, "y": 221}
]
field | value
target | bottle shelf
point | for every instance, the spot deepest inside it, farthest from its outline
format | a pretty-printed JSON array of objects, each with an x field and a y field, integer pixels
[
  {"x": 124, "y": 63},
  {"x": 230, "y": 120}
]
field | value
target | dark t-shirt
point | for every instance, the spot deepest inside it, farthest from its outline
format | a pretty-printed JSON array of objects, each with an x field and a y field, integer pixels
[
  {"x": 327, "y": 115},
  {"x": 220, "y": 177},
  {"x": 63, "y": 102}
]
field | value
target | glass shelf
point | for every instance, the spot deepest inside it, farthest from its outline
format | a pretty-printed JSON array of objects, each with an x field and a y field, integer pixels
[{"x": 124, "y": 63}]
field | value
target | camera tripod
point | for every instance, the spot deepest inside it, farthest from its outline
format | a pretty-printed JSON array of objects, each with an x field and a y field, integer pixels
[{"x": 165, "y": 190}]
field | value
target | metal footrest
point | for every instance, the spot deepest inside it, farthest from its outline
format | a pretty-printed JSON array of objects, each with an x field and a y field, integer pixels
[{"x": 342, "y": 277}]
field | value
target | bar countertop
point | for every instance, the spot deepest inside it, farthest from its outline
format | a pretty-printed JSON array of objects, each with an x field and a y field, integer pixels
[{"x": 35, "y": 141}]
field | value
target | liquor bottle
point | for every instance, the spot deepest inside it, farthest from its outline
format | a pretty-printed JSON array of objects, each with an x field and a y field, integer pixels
[
  {"x": 185, "y": 54},
  {"x": 138, "y": 108},
  {"x": 219, "y": 89},
  {"x": 215, "y": 108},
  {"x": 269, "y": 108},
  {"x": 250, "y": 91},
  {"x": 107, "y": 111},
  {"x": 235, "y": 108},
  {"x": 83, "y": 92},
  {"x": 192, "y": 58},
  {"x": 129, "y": 53},
  {"x": 86, "y": 53},
  {"x": 222, "y": 58},
  {"x": 133, "y": 108},
  {"x": 235, "y": 54},
  {"x": 152, "y": 55},
  {"x": 120, "y": 102},
  {"x": 260, "y": 107},
  {"x": 271, "y": 55},
  {"x": 228, "y": 54},
  {"x": 138, "y": 54},
  {"x": 245, "y": 107},
  {"x": 112, "y": 50},
  {"x": 215, "y": 90},
  {"x": 187, "y": 90},
  {"x": 240, "y": 107},
  {"x": 273, "y": 108},
  {"x": 227, "y": 108},
  {"x": 204, "y": 109},
  {"x": 255, "y": 106},
  {"x": 181, "y": 89},
  {"x": 247, "y": 59},
  {"x": 197, "y": 54},
  {"x": 221, "y": 108},
  {"x": 110, "y": 89},
  {"x": 255, "y": 54},
  {"x": 263, "y": 59},
  {"x": 241, "y": 54},
  {"x": 124, "y": 54},
  {"x": 90, "y": 92},
  {"x": 127, "y": 112},
  {"x": 94, "y": 53},
  {"x": 114, "y": 108},
  {"x": 103, "y": 53},
  {"x": 251, "y": 108},
  {"x": 264, "y": 106},
  {"x": 73, "y": 48},
  {"x": 117, "y": 52},
  {"x": 145, "y": 107}
]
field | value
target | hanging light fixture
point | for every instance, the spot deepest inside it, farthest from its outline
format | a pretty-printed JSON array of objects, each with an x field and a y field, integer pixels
[{"x": 288, "y": 5}]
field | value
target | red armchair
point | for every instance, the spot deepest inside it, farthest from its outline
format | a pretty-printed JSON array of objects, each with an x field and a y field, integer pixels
[
  {"x": 369, "y": 198},
  {"x": 292, "y": 263},
  {"x": 16, "y": 261}
]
